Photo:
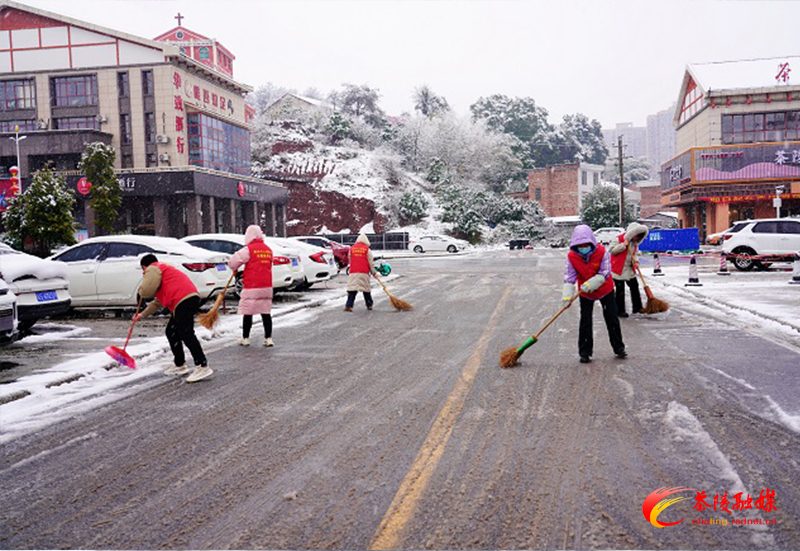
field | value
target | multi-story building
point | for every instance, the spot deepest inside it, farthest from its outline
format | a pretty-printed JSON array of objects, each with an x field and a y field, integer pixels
[
  {"x": 634, "y": 140},
  {"x": 559, "y": 189},
  {"x": 738, "y": 129},
  {"x": 662, "y": 139},
  {"x": 171, "y": 109}
]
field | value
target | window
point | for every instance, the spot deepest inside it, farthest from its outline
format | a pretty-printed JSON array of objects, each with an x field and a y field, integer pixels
[
  {"x": 17, "y": 94},
  {"x": 127, "y": 160},
  {"x": 119, "y": 250},
  {"x": 78, "y": 91},
  {"x": 147, "y": 83},
  {"x": 123, "y": 85},
  {"x": 766, "y": 227},
  {"x": 538, "y": 194},
  {"x": 584, "y": 178},
  {"x": 125, "y": 129},
  {"x": 150, "y": 127},
  {"x": 203, "y": 54},
  {"x": 151, "y": 159},
  {"x": 786, "y": 226},
  {"x": 217, "y": 144},
  {"x": 89, "y": 251},
  {"x": 761, "y": 127},
  {"x": 596, "y": 178},
  {"x": 76, "y": 123},
  {"x": 24, "y": 126}
]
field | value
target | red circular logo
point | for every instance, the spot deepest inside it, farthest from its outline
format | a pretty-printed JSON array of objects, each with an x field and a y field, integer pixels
[
  {"x": 240, "y": 189},
  {"x": 84, "y": 186}
]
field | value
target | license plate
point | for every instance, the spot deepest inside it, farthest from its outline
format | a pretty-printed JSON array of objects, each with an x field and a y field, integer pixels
[
  {"x": 44, "y": 296},
  {"x": 221, "y": 267},
  {"x": 330, "y": 262},
  {"x": 295, "y": 262}
]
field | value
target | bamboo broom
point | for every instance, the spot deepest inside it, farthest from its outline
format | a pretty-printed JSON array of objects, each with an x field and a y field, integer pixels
[
  {"x": 399, "y": 304},
  {"x": 210, "y": 318}
]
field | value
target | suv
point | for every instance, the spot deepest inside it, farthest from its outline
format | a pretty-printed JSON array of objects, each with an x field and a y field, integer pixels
[
  {"x": 607, "y": 235},
  {"x": 770, "y": 239}
]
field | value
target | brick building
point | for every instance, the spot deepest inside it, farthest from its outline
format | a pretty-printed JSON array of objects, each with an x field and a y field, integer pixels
[
  {"x": 738, "y": 129},
  {"x": 559, "y": 189},
  {"x": 170, "y": 107}
]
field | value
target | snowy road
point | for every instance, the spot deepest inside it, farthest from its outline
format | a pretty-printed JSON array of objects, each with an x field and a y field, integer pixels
[{"x": 398, "y": 430}]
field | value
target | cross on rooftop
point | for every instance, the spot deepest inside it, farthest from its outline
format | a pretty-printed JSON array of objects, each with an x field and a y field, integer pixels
[{"x": 179, "y": 17}]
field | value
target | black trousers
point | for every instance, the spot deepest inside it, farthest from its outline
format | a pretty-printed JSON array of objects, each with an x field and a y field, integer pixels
[
  {"x": 351, "y": 299},
  {"x": 180, "y": 331},
  {"x": 247, "y": 324},
  {"x": 636, "y": 298},
  {"x": 585, "y": 334}
]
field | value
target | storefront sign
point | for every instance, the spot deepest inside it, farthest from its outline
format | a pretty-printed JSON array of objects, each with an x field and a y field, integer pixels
[
  {"x": 759, "y": 162},
  {"x": 127, "y": 183},
  {"x": 250, "y": 190},
  {"x": 84, "y": 186},
  {"x": 747, "y": 198},
  {"x": 196, "y": 92}
]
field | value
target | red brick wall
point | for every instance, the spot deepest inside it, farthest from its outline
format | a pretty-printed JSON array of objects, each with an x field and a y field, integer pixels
[
  {"x": 651, "y": 200},
  {"x": 559, "y": 185},
  {"x": 315, "y": 208}
]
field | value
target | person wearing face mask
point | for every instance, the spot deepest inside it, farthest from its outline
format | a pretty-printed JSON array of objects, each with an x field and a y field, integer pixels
[{"x": 588, "y": 264}]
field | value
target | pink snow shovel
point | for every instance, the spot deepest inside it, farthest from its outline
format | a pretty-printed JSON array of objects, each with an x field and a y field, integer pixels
[{"x": 119, "y": 354}]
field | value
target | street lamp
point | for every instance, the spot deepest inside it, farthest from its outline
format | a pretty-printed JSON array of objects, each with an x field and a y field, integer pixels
[
  {"x": 777, "y": 201},
  {"x": 17, "y": 138}
]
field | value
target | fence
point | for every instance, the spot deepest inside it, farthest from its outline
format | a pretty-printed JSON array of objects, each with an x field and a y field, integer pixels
[{"x": 392, "y": 241}]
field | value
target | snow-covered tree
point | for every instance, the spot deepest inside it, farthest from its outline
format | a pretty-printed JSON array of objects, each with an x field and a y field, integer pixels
[
  {"x": 634, "y": 169},
  {"x": 413, "y": 207},
  {"x": 41, "y": 217},
  {"x": 428, "y": 103},
  {"x": 97, "y": 164},
  {"x": 267, "y": 94},
  {"x": 581, "y": 140},
  {"x": 600, "y": 208},
  {"x": 361, "y": 102},
  {"x": 338, "y": 128}
]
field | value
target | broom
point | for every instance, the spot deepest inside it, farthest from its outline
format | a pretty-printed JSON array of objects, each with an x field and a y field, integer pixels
[
  {"x": 510, "y": 356},
  {"x": 396, "y": 302},
  {"x": 654, "y": 305},
  {"x": 210, "y": 318}
]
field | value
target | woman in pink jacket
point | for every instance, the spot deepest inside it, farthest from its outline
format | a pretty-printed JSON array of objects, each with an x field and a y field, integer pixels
[{"x": 256, "y": 297}]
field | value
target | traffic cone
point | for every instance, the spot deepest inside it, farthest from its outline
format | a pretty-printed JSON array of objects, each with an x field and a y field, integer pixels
[
  {"x": 723, "y": 266},
  {"x": 796, "y": 271},
  {"x": 694, "y": 281},
  {"x": 657, "y": 270}
]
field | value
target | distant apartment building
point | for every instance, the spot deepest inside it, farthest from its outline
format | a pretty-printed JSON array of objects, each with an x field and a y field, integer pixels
[
  {"x": 634, "y": 140},
  {"x": 170, "y": 108},
  {"x": 662, "y": 139}
]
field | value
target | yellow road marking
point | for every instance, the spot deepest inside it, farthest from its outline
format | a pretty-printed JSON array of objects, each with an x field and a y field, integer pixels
[{"x": 405, "y": 501}]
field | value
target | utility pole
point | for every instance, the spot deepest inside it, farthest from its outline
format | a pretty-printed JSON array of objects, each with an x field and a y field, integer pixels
[{"x": 621, "y": 187}]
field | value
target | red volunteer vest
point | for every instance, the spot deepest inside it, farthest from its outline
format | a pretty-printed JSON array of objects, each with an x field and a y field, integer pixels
[
  {"x": 359, "y": 263},
  {"x": 175, "y": 286},
  {"x": 587, "y": 270},
  {"x": 258, "y": 270},
  {"x": 618, "y": 260}
]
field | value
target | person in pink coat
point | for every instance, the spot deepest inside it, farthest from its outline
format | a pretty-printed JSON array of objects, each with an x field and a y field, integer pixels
[{"x": 256, "y": 297}]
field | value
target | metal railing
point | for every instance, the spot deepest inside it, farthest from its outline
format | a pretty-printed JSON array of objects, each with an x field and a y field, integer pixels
[{"x": 391, "y": 241}]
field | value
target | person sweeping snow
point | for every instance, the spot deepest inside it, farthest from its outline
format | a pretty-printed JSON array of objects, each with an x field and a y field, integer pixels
[
  {"x": 256, "y": 297},
  {"x": 362, "y": 266},
  {"x": 174, "y": 290},
  {"x": 624, "y": 260},
  {"x": 589, "y": 265}
]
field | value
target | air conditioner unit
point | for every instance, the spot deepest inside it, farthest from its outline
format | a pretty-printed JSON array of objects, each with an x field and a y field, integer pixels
[
  {"x": 162, "y": 139},
  {"x": 42, "y": 124},
  {"x": 101, "y": 118},
  {"x": 164, "y": 157}
]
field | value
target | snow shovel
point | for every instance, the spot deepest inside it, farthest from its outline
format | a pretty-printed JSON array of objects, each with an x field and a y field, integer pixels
[
  {"x": 510, "y": 356},
  {"x": 119, "y": 354}
]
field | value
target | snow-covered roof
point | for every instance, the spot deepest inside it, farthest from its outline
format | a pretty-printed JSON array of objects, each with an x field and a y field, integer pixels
[
  {"x": 563, "y": 219},
  {"x": 315, "y": 102},
  {"x": 744, "y": 74}
]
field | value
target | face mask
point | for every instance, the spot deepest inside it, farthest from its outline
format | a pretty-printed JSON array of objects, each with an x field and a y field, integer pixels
[{"x": 584, "y": 250}]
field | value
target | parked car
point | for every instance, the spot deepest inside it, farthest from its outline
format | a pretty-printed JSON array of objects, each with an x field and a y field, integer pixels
[
  {"x": 8, "y": 314},
  {"x": 606, "y": 235},
  {"x": 717, "y": 238},
  {"x": 341, "y": 253},
  {"x": 318, "y": 263},
  {"x": 106, "y": 271},
  {"x": 774, "y": 239},
  {"x": 428, "y": 243},
  {"x": 287, "y": 271},
  {"x": 41, "y": 286}
]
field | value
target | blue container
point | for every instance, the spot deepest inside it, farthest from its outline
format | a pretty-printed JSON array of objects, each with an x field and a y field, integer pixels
[{"x": 671, "y": 240}]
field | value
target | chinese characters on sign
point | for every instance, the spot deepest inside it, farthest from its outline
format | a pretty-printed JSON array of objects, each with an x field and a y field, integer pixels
[
  {"x": 730, "y": 155},
  {"x": 783, "y": 73},
  {"x": 765, "y": 502},
  {"x": 787, "y": 157},
  {"x": 675, "y": 173}
]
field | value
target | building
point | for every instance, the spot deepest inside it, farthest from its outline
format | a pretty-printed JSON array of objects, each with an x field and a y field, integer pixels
[
  {"x": 662, "y": 139},
  {"x": 650, "y": 197},
  {"x": 738, "y": 127},
  {"x": 634, "y": 140},
  {"x": 559, "y": 189},
  {"x": 170, "y": 107},
  {"x": 292, "y": 107}
]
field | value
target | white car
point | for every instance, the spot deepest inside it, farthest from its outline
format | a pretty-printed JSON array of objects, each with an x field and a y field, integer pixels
[
  {"x": 774, "y": 239},
  {"x": 106, "y": 271},
  {"x": 41, "y": 286},
  {"x": 287, "y": 271},
  {"x": 607, "y": 235},
  {"x": 8, "y": 314},
  {"x": 341, "y": 253},
  {"x": 431, "y": 243},
  {"x": 318, "y": 263}
]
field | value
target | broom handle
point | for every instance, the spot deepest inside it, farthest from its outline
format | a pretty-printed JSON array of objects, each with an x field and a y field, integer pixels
[
  {"x": 382, "y": 285},
  {"x": 130, "y": 331},
  {"x": 636, "y": 270},
  {"x": 536, "y": 336}
]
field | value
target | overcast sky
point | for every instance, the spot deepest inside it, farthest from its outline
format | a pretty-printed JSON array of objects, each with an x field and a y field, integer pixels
[{"x": 615, "y": 61}]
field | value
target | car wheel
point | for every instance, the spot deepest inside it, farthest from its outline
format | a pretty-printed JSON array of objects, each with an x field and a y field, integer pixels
[
  {"x": 452, "y": 249},
  {"x": 743, "y": 262},
  {"x": 25, "y": 325},
  {"x": 418, "y": 249}
]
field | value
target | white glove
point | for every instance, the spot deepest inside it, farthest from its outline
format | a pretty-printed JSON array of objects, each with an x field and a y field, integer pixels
[
  {"x": 593, "y": 284},
  {"x": 566, "y": 294}
]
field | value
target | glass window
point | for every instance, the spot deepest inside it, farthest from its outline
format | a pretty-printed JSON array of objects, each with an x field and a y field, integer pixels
[
  {"x": 83, "y": 252},
  {"x": 151, "y": 159},
  {"x": 218, "y": 145},
  {"x": 766, "y": 227},
  {"x": 203, "y": 53},
  {"x": 77, "y": 91},
  {"x": 538, "y": 194},
  {"x": 76, "y": 123},
  {"x": 125, "y": 128},
  {"x": 127, "y": 160},
  {"x": 150, "y": 127},
  {"x": 17, "y": 94},
  {"x": 24, "y": 126},
  {"x": 123, "y": 85},
  {"x": 758, "y": 127},
  {"x": 147, "y": 83},
  {"x": 787, "y": 226}
]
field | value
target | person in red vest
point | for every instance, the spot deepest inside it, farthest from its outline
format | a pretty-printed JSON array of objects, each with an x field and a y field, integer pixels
[
  {"x": 174, "y": 290},
  {"x": 256, "y": 297},
  {"x": 588, "y": 264},
  {"x": 362, "y": 266},
  {"x": 624, "y": 264}
]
